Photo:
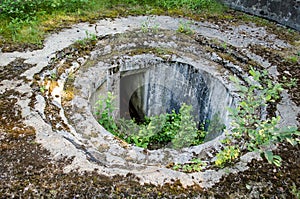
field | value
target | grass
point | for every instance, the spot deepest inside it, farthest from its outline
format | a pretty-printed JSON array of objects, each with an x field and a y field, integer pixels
[
  {"x": 21, "y": 27},
  {"x": 292, "y": 59},
  {"x": 29, "y": 24}
]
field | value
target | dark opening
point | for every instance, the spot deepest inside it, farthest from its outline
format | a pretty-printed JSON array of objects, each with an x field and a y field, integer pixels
[{"x": 135, "y": 110}]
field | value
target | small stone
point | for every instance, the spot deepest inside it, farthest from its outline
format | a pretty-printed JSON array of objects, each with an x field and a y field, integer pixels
[
  {"x": 287, "y": 73},
  {"x": 80, "y": 60}
]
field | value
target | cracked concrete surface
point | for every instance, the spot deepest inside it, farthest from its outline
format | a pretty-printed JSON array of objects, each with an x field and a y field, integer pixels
[{"x": 65, "y": 127}]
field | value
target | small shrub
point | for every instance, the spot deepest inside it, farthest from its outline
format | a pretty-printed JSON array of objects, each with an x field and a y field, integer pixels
[
  {"x": 227, "y": 156},
  {"x": 249, "y": 129},
  {"x": 187, "y": 131},
  {"x": 105, "y": 108},
  {"x": 171, "y": 128}
]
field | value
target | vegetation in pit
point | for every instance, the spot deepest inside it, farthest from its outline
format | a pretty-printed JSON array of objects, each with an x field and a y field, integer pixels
[
  {"x": 104, "y": 111},
  {"x": 251, "y": 129},
  {"x": 175, "y": 130}
]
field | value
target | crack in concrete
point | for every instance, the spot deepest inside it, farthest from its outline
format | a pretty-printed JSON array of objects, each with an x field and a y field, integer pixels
[{"x": 119, "y": 158}]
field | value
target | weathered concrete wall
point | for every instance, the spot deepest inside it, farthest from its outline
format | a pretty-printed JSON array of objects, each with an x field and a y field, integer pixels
[
  {"x": 148, "y": 85},
  {"x": 286, "y": 12}
]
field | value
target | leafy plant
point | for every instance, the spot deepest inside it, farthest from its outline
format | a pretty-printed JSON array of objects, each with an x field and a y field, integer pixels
[
  {"x": 189, "y": 4},
  {"x": 195, "y": 165},
  {"x": 168, "y": 129},
  {"x": 24, "y": 10},
  {"x": 22, "y": 21},
  {"x": 227, "y": 156},
  {"x": 53, "y": 76},
  {"x": 292, "y": 59},
  {"x": 273, "y": 159},
  {"x": 295, "y": 191},
  {"x": 252, "y": 131},
  {"x": 88, "y": 38},
  {"x": 179, "y": 129},
  {"x": 290, "y": 83},
  {"x": 185, "y": 27},
  {"x": 149, "y": 25},
  {"x": 19, "y": 9},
  {"x": 145, "y": 132},
  {"x": 68, "y": 5},
  {"x": 105, "y": 108},
  {"x": 43, "y": 88},
  {"x": 187, "y": 131}
]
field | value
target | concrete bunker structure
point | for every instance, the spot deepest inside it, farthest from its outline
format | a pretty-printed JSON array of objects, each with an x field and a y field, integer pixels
[
  {"x": 146, "y": 85},
  {"x": 67, "y": 127}
]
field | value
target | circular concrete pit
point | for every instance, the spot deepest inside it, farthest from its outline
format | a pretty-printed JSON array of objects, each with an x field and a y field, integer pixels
[
  {"x": 151, "y": 73},
  {"x": 147, "y": 85}
]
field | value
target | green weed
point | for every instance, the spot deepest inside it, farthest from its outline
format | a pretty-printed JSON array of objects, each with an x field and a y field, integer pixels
[
  {"x": 187, "y": 131},
  {"x": 224, "y": 45},
  {"x": 295, "y": 191},
  {"x": 196, "y": 5},
  {"x": 27, "y": 10},
  {"x": 174, "y": 129},
  {"x": 88, "y": 38},
  {"x": 292, "y": 59},
  {"x": 195, "y": 165},
  {"x": 149, "y": 25},
  {"x": 185, "y": 27},
  {"x": 178, "y": 129},
  {"x": 249, "y": 129},
  {"x": 28, "y": 21},
  {"x": 43, "y": 89},
  {"x": 290, "y": 82},
  {"x": 105, "y": 108},
  {"x": 53, "y": 76},
  {"x": 227, "y": 156}
]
